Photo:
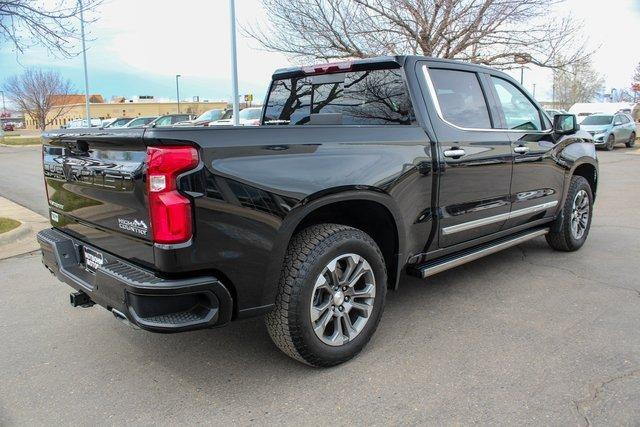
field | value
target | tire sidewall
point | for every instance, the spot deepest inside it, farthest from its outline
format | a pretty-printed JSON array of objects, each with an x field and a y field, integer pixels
[
  {"x": 581, "y": 184},
  {"x": 337, "y": 245}
]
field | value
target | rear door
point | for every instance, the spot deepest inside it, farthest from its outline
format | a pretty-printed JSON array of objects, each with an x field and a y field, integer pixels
[
  {"x": 538, "y": 180},
  {"x": 474, "y": 193}
]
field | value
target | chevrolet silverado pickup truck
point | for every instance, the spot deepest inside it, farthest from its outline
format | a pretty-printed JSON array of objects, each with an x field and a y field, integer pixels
[{"x": 360, "y": 172}]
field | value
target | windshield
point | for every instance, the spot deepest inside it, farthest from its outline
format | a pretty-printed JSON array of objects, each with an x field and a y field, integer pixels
[
  {"x": 119, "y": 123},
  {"x": 597, "y": 120},
  {"x": 140, "y": 122},
  {"x": 250, "y": 113},
  {"x": 210, "y": 115}
]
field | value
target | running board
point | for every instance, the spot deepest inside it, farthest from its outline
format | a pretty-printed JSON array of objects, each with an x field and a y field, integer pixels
[{"x": 432, "y": 267}]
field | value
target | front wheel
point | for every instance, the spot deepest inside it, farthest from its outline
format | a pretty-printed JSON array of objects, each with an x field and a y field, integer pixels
[
  {"x": 571, "y": 228},
  {"x": 632, "y": 140},
  {"x": 611, "y": 141},
  {"x": 330, "y": 297}
]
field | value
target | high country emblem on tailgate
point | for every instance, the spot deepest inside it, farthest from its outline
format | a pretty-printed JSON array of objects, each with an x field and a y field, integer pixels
[{"x": 137, "y": 226}]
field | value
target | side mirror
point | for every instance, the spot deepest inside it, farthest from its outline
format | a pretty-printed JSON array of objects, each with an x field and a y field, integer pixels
[
  {"x": 617, "y": 123},
  {"x": 564, "y": 124}
]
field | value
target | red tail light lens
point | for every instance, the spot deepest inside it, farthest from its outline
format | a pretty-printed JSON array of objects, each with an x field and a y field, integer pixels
[{"x": 170, "y": 211}]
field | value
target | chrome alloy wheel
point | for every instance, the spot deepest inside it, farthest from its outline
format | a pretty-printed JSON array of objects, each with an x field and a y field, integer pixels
[
  {"x": 342, "y": 299},
  {"x": 580, "y": 214}
]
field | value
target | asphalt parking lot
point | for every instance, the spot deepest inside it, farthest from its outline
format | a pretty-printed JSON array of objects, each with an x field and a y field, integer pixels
[{"x": 526, "y": 336}]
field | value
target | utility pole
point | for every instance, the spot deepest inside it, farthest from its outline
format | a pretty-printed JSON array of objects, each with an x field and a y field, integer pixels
[
  {"x": 234, "y": 63},
  {"x": 178, "y": 91},
  {"x": 4, "y": 109},
  {"x": 84, "y": 58}
]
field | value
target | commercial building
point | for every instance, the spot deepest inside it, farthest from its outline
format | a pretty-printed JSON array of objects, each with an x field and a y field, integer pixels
[{"x": 137, "y": 107}]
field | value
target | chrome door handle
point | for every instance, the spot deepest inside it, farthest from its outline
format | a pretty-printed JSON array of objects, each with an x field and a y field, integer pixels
[
  {"x": 521, "y": 149},
  {"x": 455, "y": 152}
]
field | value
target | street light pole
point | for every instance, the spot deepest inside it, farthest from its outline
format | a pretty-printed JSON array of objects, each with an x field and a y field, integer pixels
[
  {"x": 178, "y": 91},
  {"x": 86, "y": 74},
  {"x": 234, "y": 63}
]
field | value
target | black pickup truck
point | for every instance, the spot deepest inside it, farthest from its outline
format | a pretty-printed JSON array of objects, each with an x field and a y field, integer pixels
[{"x": 359, "y": 173}]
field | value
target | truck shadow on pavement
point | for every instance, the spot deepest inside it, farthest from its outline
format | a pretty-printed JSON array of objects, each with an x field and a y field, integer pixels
[{"x": 242, "y": 352}]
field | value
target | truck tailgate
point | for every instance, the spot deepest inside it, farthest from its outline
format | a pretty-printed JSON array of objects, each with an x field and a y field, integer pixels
[{"x": 95, "y": 184}]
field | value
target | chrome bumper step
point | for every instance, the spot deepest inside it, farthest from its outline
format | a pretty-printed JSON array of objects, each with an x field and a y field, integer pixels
[{"x": 432, "y": 267}]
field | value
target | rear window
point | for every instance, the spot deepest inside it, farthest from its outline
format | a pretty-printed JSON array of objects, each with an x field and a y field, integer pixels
[{"x": 374, "y": 97}]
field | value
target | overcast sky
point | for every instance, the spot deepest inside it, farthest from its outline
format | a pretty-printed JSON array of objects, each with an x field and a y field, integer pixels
[{"x": 139, "y": 46}]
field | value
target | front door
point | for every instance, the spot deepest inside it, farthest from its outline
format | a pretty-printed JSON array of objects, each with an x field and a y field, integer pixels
[
  {"x": 537, "y": 182},
  {"x": 474, "y": 196}
]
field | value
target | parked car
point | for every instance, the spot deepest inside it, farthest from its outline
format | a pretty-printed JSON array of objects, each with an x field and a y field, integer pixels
[
  {"x": 205, "y": 118},
  {"x": 118, "y": 122},
  {"x": 8, "y": 127},
  {"x": 247, "y": 117},
  {"x": 140, "y": 122},
  {"x": 170, "y": 120},
  {"x": 82, "y": 123},
  {"x": 610, "y": 129},
  {"x": 422, "y": 165}
]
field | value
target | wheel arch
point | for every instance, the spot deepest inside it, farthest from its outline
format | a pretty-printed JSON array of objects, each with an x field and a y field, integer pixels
[
  {"x": 588, "y": 169},
  {"x": 368, "y": 209}
]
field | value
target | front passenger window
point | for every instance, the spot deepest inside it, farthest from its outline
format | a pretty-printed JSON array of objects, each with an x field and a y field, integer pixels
[{"x": 519, "y": 112}]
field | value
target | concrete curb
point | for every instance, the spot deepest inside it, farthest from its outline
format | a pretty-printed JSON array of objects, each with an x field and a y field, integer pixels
[
  {"x": 16, "y": 234},
  {"x": 22, "y": 239}
]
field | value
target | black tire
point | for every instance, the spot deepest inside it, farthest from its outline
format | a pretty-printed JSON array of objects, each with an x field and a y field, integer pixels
[
  {"x": 632, "y": 140},
  {"x": 611, "y": 141},
  {"x": 561, "y": 237},
  {"x": 290, "y": 325}
]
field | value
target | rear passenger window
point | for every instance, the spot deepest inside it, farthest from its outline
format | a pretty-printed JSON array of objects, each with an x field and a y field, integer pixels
[
  {"x": 461, "y": 99},
  {"x": 519, "y": 112}
]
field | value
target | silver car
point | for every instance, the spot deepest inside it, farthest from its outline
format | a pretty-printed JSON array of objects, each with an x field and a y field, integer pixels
[{"x": 610, "y": 129}]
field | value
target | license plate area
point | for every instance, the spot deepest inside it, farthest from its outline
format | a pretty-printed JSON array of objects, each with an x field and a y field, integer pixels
[{"x": 92, "y": 259}]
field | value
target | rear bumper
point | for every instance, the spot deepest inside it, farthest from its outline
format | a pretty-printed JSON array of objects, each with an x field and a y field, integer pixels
[{"x": 144, "y": 299}]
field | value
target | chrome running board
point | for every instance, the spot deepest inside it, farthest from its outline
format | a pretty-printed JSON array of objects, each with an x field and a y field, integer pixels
[{"x": 432, "y": 267}]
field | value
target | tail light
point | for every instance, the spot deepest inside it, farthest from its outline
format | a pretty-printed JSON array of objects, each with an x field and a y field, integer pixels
[{"x": 170, "y": 211}]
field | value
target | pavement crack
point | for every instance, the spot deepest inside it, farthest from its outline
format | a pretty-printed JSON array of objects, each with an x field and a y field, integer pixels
[
  {"x": 595, "y": 391},
  {"x": 526, "y": 259}
]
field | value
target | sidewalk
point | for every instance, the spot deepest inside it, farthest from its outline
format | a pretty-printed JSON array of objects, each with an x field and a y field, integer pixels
[{"x": 22, "y": 239}]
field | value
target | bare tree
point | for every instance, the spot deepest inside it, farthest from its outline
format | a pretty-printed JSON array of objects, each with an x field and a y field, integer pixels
[
  {"x": 53, "y": 25},
  {"x": 42, "y": 95},
  {"x": 636, "y": 74},
  {"x": 578, "y": 82},
  {"x": 491, "y": 32}
]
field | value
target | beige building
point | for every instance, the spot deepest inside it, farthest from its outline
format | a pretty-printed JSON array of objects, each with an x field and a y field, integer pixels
[{"x": 110, "y": 110}]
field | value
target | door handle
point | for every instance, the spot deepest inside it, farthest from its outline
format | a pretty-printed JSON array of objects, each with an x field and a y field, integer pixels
[
  {"x": 454, "y": 152},
  {"x": 521, "y": 149}
]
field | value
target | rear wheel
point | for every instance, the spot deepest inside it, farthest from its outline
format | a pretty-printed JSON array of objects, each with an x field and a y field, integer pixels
[
  {"x": 571, "y": 228},
  {"x": 330, "y": 297},
  {"x": 611, "y": 141},
  {"x": 632, "y": 140}
]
